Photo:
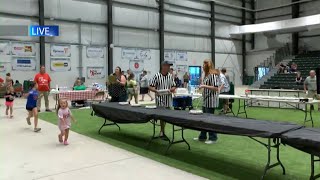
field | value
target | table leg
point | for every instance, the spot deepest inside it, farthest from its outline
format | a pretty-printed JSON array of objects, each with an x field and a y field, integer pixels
[
  {"x": 107, "y": 124},
  {"x": 313, "y": 161},
  {"x": 305, "y": 114},
  {"x": 179, "y": 141}
]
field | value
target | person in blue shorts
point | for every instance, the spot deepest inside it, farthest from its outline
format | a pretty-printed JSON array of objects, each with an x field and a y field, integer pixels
[{"x": 31, "y": 106}]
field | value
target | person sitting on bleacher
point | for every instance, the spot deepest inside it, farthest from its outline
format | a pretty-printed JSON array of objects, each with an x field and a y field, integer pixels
[
  {"x": 299, "y": 79},
  {"x": 294, "y": 68}
]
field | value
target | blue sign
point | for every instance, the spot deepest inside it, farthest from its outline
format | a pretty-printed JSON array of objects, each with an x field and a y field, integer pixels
[{"x": 44, "y": 30}]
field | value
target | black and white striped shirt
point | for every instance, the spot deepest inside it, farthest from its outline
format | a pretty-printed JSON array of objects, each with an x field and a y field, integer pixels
[
  {"x": 210, "y": 97},
  {"x": 160, "y": 82}
]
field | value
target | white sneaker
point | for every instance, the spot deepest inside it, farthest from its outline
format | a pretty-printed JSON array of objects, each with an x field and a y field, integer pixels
[{"x": 210, "y": 142}]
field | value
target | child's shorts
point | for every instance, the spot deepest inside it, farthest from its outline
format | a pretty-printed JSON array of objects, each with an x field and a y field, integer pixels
[
  {"x": 9, "y": 103},
  {"x": 30, "y": 108}
]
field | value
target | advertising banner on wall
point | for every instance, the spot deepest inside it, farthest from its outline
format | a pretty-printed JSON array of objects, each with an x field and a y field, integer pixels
[
  {"x": 136, "y": 66},
  {"x": 181, "y": 56},
  {"x": 23, "y": 49},
  {"x": 169, "y": 55},
  {"x": 23, "y": 64},
  {"x": 135, "y": 54},
  {"x": 3, "y": 67},
  {"x": 60, "y": 51},
  {"x": 95, "y": 52},
  {"x": 95, "y": 72},
  {"x": 4, "y": 48},
  {"x": 60, "y": 64}
]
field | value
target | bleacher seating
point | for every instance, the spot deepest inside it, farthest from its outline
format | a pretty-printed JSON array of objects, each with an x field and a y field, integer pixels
[{"x": 305, "y": 63}]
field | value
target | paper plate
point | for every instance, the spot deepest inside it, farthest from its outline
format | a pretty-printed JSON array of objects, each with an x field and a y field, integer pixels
[
  {"x": 123, "y": 103},
  {"x": 135, "y": 105},
  {"x": 151, "y": 107},
  {"x": 196, "y": 112}
]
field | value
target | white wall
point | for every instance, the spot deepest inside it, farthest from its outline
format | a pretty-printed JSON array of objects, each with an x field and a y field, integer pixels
[{"x": 254, "y": 59}]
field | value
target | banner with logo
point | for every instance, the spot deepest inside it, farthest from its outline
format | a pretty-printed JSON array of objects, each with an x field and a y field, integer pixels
[
  {"x": 135, "y": 54},
  {"x": 23, "y": 64},
  {"x": 95, "y": 52},
  {"x": 4, "y": 48},
  {"x": 181, "y": 56},
  {"x": 95, "y": 72},
  {"x": 60, "y": 51},
  {"x": 169, "y": 55},
  {"x": 136, "y": 66},
  {"x": 23, "y": 49},
  {"x": 3, "y": 67},
  {"x": 60, "y": 64}
]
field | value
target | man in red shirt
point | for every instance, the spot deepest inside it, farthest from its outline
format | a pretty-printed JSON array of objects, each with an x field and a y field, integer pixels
[{"x": 43, "y": 80}]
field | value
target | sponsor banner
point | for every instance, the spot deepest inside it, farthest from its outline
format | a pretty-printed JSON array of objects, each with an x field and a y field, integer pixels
[
  {"x": 136, "y": 66},
  {"x": 181, "y": 68},
  {"x": 3, "y": 67},
  {"x": 23, "y": 49},
  {"x": 95, "y": 52},
  {"x": 23, "y": 64},
  {"x": 60, "y": 51},
  {"x": 4, "y": 48},
  {"x": 181, "y": 56},
  {"x": 60, "y": 64},
  {"x": 135, "y": 54},
  {"x": 95, "y": 72},
  {"x": 169, "y": 55}
]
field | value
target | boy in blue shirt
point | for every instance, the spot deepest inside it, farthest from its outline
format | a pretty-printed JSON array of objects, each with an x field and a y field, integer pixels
[{"x": 31, "y": 106}]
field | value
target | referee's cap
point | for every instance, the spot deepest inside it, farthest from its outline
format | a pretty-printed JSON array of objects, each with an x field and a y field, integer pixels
[{"x": 167, "y": 63}]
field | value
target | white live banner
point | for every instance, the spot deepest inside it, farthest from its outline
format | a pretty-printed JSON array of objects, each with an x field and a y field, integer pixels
[
  {"x": 60, "y": 64},
  {"x": 60, "y": 51},
  {"x": 95, "y": 72},
  {"x": 95, "y": 52},
  {"x": 23, "y": 64},
  {"x": 4, "y": 48},
  {"x": 23, "y": 49}
]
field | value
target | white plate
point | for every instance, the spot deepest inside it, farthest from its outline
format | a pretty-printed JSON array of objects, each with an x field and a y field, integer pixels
[
  {"x": 196, "y": 112},
  {"x": 123, "y": 103},
  {"x": 151, "y": 107},
  {"x": 135, "y": 105}
]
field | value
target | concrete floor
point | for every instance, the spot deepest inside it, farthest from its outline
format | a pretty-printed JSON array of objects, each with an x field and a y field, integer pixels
[{"x": 25, "y": 155}]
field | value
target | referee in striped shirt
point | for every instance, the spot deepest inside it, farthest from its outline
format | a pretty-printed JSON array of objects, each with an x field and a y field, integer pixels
[
  {"x": 210, "y": 85},
  {"x": 161, "y": 81}
]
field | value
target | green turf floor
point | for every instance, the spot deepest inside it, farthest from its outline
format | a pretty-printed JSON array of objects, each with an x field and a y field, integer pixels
[{"x": 232, "y": 157}]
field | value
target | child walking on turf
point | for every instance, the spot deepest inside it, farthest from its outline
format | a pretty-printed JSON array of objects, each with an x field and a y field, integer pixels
[
  {"x": 31, "y": 106},
  {"x": 64, "y": 122},
  {"x": 9, "y": 96}
]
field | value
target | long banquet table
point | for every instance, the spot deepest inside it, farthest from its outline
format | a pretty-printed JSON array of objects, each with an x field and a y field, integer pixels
[{"x": 272, "y": 131}]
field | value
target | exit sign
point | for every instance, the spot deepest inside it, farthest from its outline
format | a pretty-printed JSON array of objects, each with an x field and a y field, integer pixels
[{"x": 44, "y": 31}]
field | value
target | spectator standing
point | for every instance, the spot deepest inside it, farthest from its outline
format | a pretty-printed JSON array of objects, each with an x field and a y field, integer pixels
[
  {"x": 42, "y": 79},
  {"x": 224, "y": 89},
  {"x": 186, "y": 79},
  {"x": 117, "y": 89},
  {"x": 177, "y": 80},
  {"x": 310, "y": 87},
  {"x": 144, "y": 86},
  {"x": 132, "y": 88}
]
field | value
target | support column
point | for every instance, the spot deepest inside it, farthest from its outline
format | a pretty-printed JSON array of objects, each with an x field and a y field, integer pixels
[
  {"x": 80, "y": 49},
  {"x": 295, "y": 35},
  {"x": 42, "y": 38},
  {"x": 110, "y": 37},
  {"x": 244, "y": 49},
  {"x": 253, "y": 21},
  {"x": 161, "y": 30},
  {"x": 213, "y": 33}
]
